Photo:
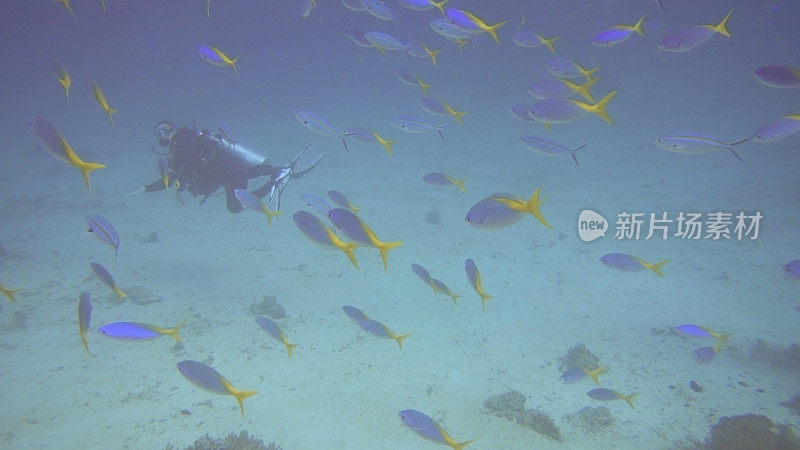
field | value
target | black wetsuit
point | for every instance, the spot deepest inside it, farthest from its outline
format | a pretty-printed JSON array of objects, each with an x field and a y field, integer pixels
[{"x": 202, "y": 162}]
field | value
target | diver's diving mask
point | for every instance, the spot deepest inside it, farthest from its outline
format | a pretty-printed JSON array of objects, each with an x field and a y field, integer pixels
[{"x": 164, "y": 131}]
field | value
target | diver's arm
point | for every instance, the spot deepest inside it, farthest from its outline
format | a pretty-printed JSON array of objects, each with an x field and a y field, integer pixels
[
  {"x": 152, "y": 187},
  {"x": 157, "y": 185}
]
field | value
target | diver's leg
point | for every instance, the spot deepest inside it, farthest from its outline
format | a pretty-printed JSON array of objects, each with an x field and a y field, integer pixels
[
  {"x": 262, "y": 191},
  {"x": 234, "y": 205}
]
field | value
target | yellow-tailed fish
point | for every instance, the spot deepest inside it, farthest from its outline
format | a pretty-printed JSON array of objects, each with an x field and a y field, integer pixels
[
  {"x": 216, "y": 57},
  {"x": 341, "y": 201},
  {"x": 475, "y": 280},
  {"x": 532, "y": 206},
  {"x": 386, "y": 143},
  {"x": 420, "y": 50},
  {"x": 412, "y": 79},
  {"x": 526, "y": 38},
  {"x": 423, "y": 425},
  {"x": 378, "y": 329},
  {"x": 567, "y": 68},
  {"x": 84, "y": 318},
  {"x": 472, "y": 23},
  {"x": 250, "y": 201},
  {"x": 687, "y": 38},
  {"x": 318, "y": 233},
  {"x": 354, "y": 228},
  {"x": 101, "y": 100},
  {"x": 441, "y": 179},
  {"x": 103, "y": 274},
  {"x": 205, "y": 377},
  {"x": 85, "y": 167},
  {"x": 275, "y": 331},
  {"x": 617, "y": 34},
  {"x": 135, "y": 331},
  {"x": 605, "y": 394},
  {"x": 441, "y": 288},
  {"x": 629, "y": 263},
  {"x": 65, "y": 81},
  {"x": 369, "y": 137}
]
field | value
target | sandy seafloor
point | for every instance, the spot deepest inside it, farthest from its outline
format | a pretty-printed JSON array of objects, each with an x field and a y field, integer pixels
[{"x": 344, "y": 388}]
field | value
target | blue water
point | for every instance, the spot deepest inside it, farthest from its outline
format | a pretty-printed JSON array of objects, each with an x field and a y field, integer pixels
[{"x": 343, "y": 387}]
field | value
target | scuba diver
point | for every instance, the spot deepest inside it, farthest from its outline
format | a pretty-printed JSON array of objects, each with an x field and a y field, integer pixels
[{"x": 201, "y": 162}]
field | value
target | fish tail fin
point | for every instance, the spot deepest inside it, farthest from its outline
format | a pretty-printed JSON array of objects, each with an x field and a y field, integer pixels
[
  {"x": 86, "y": 168},
  {"x": 173, "y": 332},
  {"x": 438, "y": 5},
  {"x": 656, "y": 267},
  {"x": 240, "y": 395},
  {"x": 384, "y": 247},
  {"x": 492, "y": 30},
  {"x": 588, "y": 73},
  {"x": 722, "y": 27},
  {"x": 459, "y": 183},
  {"x": 432, "y": 54},
  {"x": 583, "y": 89},
  {"x": 455, "y": 297},
  {"x": 271, "y": 215},
  {"x": 386, "y": 143},
  {"x": 119, "y": 292},
  {"x": 85, "y": 344},
  {"x": 289, "y": 347},
  {"x": 111, "y": 111},
  {"x": 599, "y": 108},
  {"x": 460, "y": 445},
  {"x": 456, "y": 114},
  {"x": 594, "y": 373},
  {"x": 425, "y": 86},
  {"x": 440, "y": 128},
  {"x": 484, "y": 298},
  {"x": 572, "y": 153},
  {"x": 722, "y": 341},
  {"x": 348, "y": 250},
  {"x": 400, "y": 339},
  {"x": 638, "y": 27},
  {"x": 548, "y": 42},
  {"x": 735, "y": 154},
  {"x": 735, "y": 143},
  {"x": 533, "y": 206},
  {"x": 450, "y": 441},
  {"x": 9, "y": 293},
  {"x": 233, "y": 64},
  {"x": 628, "y": 398}
]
